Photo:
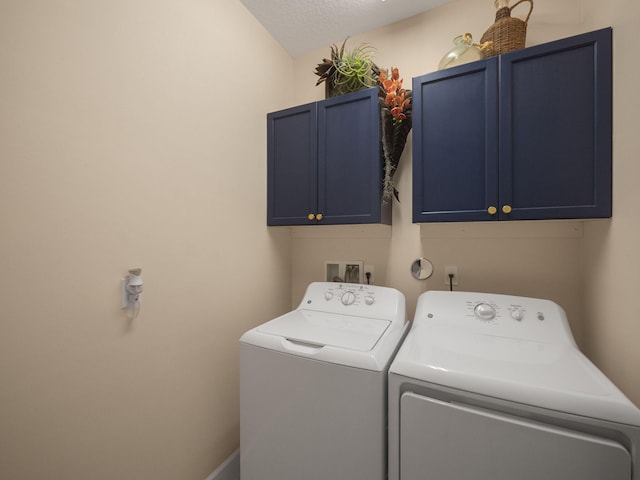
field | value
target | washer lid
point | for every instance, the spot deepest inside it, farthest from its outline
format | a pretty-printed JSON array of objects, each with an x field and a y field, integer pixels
[
  {"x": 327, "y": 329},
  {"x": 555, "y": 376}
]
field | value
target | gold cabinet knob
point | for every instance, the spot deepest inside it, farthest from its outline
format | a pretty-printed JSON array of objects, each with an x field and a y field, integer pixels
[
  {"x": 492, "y": 210},
  {"x": 319, "y": 217},
  {"x": 506, "y": 209},
  {"x": 311, "y": 216}
]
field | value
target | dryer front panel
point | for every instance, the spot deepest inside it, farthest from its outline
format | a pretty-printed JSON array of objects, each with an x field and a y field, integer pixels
[{"x": 451, "y": 441}]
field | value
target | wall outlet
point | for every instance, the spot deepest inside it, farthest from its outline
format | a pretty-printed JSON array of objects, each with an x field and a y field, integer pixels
[
  {"x": 368, "y": 269},
  {"x": 451, "y": 270}
]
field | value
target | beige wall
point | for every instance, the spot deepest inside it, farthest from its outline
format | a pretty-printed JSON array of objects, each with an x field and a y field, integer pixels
[
  {"x": 131, "y": 134},
  {"x": 590, "y": 268},
  {"x": 611, "y": 255},
  {"x": 123, "y": 142}
]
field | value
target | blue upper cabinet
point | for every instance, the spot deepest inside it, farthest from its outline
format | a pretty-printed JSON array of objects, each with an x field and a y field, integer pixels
[
  {"x": 324, "y": 162},
  {"x": 455, "y": 143},
  {"x": 526, "y": 135},
  {"x": 555, "y": 129},
  {"x": 292, "y": 165}
]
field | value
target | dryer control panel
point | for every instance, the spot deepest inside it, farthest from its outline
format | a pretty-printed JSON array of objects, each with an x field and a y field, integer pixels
[
  {"x": 494, "y": 314},
  {"x": 354, "y": 299}
]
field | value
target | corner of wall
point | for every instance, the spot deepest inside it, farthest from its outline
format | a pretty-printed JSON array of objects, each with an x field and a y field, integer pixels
[{"x": 229, "y": 470}]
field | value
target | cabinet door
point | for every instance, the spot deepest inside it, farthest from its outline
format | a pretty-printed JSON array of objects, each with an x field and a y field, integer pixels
[
  {"x": 349, "y": 160},
  {"x": 455, "y": 138},
  {"x": 555, "y": 129},
  {"x": 292, "y": 165}
]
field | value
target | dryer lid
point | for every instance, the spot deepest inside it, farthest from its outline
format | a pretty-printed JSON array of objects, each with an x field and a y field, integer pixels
[
  {"x": 555, "y": 376},
  {"x": 327, "y": 329}
]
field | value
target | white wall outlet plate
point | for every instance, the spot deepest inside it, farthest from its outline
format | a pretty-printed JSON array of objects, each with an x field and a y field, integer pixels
[
  {"x": 451, "y": 270},
  {"x": 368, "y": 275}
]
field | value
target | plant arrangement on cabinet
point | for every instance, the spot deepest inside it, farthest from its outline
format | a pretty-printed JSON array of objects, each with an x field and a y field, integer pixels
[
  {"x": 395, "y": 116},
  {"x": 348, "y": 70}
]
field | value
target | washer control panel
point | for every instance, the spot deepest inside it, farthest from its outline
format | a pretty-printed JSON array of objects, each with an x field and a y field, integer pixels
[
  {"x": 494, "y": 314},
  {"x": 351, "y": 296},
  {"x": 354, "y": 299}
]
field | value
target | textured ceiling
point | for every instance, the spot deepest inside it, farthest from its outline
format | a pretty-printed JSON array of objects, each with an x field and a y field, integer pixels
[{"x": 304, "y": 25}]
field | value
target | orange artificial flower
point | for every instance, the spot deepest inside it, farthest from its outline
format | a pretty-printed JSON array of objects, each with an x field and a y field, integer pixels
[{"x": 395, "y": 97}]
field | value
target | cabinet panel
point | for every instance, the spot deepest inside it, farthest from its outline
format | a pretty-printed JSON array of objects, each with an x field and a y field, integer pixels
[
  {"x": 350, "y": 167},
  {"x": 555, "y": 129},
  {"x": 325, "y": 163},
  {"x": 528, "y": 133},
  {"x": 292, "y": 165},
  {"x": 455, "y": 143}
]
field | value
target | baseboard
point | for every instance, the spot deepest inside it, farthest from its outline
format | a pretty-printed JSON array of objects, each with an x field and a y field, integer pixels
[{"x": 229, "y": 470}]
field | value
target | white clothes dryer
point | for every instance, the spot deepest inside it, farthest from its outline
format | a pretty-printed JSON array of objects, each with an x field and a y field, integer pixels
[
  {"x": 313, "y": 386},
  {"x": 493, "y": 387}
]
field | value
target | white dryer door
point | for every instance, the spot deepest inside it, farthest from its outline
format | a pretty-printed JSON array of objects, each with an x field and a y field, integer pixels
[{"x": 448, "y": 441}]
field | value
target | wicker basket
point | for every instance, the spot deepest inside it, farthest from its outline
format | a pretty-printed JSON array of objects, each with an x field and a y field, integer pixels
[{"x": 507, "y": 33}]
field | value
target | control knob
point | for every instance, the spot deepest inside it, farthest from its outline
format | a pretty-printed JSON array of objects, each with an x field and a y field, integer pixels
[
  {"x": 484, "y": 311},
  {"x": 348, "y": 298}
]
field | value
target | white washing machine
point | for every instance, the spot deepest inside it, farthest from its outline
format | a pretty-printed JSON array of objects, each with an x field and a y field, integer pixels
[
  {"x": 313, "y": 397},
  {"x": 493, "y": 387}
]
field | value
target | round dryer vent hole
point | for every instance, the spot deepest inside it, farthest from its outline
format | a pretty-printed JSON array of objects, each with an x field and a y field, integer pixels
[{"x": 421, "y": 269}]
